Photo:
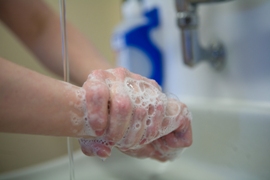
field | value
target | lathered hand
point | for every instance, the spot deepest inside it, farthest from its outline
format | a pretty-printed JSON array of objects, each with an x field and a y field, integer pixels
[{"x": 129, "y": 112}]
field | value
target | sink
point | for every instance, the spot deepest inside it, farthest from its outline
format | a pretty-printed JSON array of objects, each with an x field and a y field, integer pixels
[{"x": 231, "y": 141}]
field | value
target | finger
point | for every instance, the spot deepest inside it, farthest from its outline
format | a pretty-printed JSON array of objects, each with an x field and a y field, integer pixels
[
  {"x": 95, "y": 147},
  {"x": 172, "y": 116},
  {"x": 169, "y": 155},
  {"x": 119, "y": 73},
  {"x": 143, "y": 82},
  {"x": 153, "y": 123},
  {"x": 120, "y": 113},
  {"x": 164, "y": 152},
  {"x": 143, "y": 152},
  {"x": 147, "y": 80},
  {"x": 182, "y": 136},
  {"x": 136, "y": 129},
  {"x": 169, "y": 146},
  {"x": 97, "y": 98},
  {"x": 144, "y": 95},
  {"x": 100, "y": 75}
]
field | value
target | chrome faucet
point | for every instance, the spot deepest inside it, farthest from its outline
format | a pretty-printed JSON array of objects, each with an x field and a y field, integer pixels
[{"x": 193, "y": 52}]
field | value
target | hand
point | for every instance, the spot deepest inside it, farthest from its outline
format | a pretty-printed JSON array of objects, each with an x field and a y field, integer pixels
[
  {"x": 169, "y": 146},
  {"x": 130, "y": 112}
]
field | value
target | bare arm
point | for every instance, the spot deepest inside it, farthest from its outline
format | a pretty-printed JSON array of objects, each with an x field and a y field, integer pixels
[
  {"x": 38, "y": 27},
  {"x": 35, "y": 104}
]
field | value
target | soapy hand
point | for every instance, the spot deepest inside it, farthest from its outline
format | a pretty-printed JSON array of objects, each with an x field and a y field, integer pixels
[{"x": 129, "y": 112}]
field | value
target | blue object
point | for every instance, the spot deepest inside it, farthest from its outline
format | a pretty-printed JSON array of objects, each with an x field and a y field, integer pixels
[{"x": 139, "y": 38}]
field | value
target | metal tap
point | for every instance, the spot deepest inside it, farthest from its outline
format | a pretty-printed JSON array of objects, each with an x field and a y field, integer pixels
[{"x": 193, "y": 52}]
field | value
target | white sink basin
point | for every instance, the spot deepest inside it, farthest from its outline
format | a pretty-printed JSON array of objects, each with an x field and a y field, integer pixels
[{"x": 231, "y": 141}]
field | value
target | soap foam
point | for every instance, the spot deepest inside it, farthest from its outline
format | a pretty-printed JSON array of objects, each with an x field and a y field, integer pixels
[
  {"x": 161, "y": 112},
  {"x": 78, "y": 116}
]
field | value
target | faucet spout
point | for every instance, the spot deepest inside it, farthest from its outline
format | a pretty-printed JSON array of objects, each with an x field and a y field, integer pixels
[{"x": 193, "y": 52}]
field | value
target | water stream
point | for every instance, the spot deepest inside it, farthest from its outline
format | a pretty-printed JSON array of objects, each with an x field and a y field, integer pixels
[{"x": 62, "y": 6}]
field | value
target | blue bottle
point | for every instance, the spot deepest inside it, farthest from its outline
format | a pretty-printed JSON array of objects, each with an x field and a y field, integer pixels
[{"x": 134, "y": 43}]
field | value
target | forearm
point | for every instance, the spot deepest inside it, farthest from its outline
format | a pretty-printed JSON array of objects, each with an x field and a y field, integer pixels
[
  {"x": 38, "y": 27},
  {"x": 35, "y": 104}
]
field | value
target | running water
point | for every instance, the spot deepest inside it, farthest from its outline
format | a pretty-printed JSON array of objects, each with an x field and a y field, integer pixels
[{"x": 62, "y": 6}]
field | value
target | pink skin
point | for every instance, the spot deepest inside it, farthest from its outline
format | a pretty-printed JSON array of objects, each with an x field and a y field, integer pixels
[
  {"x": 113, "y": 116},
  {"x": 134, "y": 137},
  {"x": 168, "y": 144},
  {"x": 97, "y": 100}
]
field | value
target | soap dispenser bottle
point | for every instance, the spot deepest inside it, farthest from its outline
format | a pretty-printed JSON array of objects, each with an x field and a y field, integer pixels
[{"x": 133, "y": 41}]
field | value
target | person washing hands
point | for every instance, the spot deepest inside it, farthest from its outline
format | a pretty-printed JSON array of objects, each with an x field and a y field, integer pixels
[{"x": 113, "y": 108}]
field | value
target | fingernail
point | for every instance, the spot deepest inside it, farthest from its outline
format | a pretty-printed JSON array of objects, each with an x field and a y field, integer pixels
[
  {"x": 99, "y": 133},
  {"x": 111, "y": 143},
  {"x": 180, "y": 134},
  {"x": 103, "y": 153}
]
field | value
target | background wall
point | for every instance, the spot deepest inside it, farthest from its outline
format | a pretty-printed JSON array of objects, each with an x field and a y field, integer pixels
[{"x": 96, "y": 20}]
